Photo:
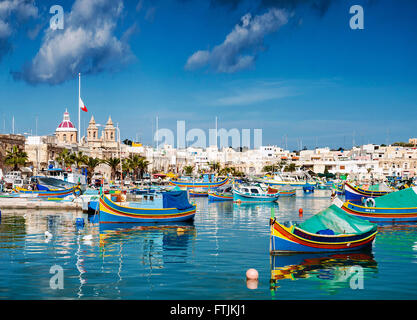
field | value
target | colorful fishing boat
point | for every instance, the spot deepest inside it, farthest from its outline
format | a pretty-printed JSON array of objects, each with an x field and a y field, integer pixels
[
  {"x": 339, "y": 188},
  {"x": 330, "y": 230},
  {"x": 254, "y": 193},
  {"x": 224, "y": 193},
  {"x": 201, "y": 184},
  {"x": 399, "y": 206},
  {"x": 173, "y": 206},
  {"x": 76, "y": 191},
  {"x": 287, "y": 193},
  {"x": 198, "y": 192},
  {"x": 359, "y": 194}
]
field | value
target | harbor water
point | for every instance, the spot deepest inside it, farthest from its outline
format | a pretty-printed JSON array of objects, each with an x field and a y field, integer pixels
[{"x": 206, "y": 259}]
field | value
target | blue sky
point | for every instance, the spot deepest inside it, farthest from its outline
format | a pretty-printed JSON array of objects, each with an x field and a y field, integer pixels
[{"x": 303, "y": 73}]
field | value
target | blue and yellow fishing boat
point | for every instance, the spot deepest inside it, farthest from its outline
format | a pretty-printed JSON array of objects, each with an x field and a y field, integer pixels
[
  {"x": 198, "y": 192},
  {"x": 358, "y": 194},
  {"x": 399, "y": 206},
  {"x": 217, "y": 196},
  {"x": 202, "y": 184},
  {"x": 330, "y": 230},
  {"x": 76, "y": 191},
  {"x": 172, "y": 207},
  {"x": 339, "y": 188},
  {"x": 287, "y": 191},
  {"x": 224, "y": 193}
]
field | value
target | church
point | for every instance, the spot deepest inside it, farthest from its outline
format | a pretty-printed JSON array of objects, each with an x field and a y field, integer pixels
[{"x": 94, "y": 145}]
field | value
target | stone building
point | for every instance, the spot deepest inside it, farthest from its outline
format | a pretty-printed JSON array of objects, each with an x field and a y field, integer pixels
[
  {"x": 7, "y": 141},
  {"x": 106, "y": 146}
]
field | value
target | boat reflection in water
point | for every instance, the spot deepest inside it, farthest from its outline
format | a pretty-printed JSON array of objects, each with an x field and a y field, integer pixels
[
  {"x": 160, "y": 242},
  {"x": 338, "y": 270}
]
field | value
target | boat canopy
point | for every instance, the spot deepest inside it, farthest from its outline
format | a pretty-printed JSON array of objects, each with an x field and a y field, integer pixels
[
  {"x": 406, "y": 198},
  {"x": 379, "y": 187},
  {"x": 176, "y": 199},
  {"x": 336, "y": 220}
]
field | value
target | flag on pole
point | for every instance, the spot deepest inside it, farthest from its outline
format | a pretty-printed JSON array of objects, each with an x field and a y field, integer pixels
[{"x": 82, "y": 105}]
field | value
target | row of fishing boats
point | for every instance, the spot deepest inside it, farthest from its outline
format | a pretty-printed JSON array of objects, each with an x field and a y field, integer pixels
[
  {"x": 229, "y": 190},
  {"x": 347, "y": 225}
]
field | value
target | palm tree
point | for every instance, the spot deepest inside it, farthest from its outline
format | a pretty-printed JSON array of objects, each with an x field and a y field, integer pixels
[
  {"x": 214, "y": 166},
  {"x": 16, "y": 158},
  {"x": 126, "y": 166},
  {"x": 65, "y": 158},
  {"x": 79, "y": 158},
  {"x": 91, "y": 164},
  {"x": 113, "y": 163},
  {"x": 290, "y": 168},
  {"x": 143, "y": 166},
  {"x": 188, "y": 170},
  {"x": 133, "y": 163}
]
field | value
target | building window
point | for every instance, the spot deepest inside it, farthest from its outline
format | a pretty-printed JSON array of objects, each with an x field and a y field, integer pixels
[{"x": 65, "y": 137}]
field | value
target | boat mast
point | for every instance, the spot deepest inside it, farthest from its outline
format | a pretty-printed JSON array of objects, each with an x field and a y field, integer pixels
[{"x": 79, "y": 111}]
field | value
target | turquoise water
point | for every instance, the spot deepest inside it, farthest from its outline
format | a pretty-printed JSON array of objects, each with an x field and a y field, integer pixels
[{"x": 206, "y": 259}]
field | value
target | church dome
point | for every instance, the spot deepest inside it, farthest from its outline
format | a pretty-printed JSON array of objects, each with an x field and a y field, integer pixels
[{"x": 66, "y": 124}]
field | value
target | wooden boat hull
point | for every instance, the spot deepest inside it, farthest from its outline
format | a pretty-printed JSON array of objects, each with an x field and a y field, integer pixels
[
  {"x": 287, "y": 193},
  {"x": 195, "y": 193},
  {"x": 50, "y": 194},
  {"x": 187, "y": 184},
  {"x": 291, "y": 239},
  {"x": 357, "y": 194},
  {"x": 216, "y": 196},
  {"x": 111, "y": 212},
  {"x": 375, "y": 214}
]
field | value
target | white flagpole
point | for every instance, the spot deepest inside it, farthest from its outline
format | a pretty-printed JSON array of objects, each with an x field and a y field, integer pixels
[{"x": 79, "y": 112}]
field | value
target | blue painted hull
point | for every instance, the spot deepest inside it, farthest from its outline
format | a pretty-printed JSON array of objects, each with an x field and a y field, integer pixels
[{"x": 111, "y": 212}]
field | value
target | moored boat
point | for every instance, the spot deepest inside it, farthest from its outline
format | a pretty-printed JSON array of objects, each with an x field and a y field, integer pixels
[
  {"x": 223, "y": 193},
  {"x": 399, "y": 206},
  {"x": 76, "y": 191},
  {"x": 198, "y": 192},
  {"x": 172, "y": 207},
  {"x": 329, "y": 230},
  {"x": 254, "y": 193},
  {"x": 358, "y": 194}
]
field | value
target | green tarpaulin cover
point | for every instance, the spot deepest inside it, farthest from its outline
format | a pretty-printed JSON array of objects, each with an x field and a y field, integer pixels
[
  {"x": 406, "y": 198},
  {"x": 337, "y": 220}
]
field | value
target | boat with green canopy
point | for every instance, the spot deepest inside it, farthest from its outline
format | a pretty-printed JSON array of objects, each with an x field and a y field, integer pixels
[
  {"x": 399, "y": 206},
  {"x": 331, "y": 229}
]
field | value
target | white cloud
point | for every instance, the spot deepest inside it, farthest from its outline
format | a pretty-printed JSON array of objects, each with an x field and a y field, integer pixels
[
  {"x": 87, "y": 44},
  {"x": 238, "y": 51}
]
